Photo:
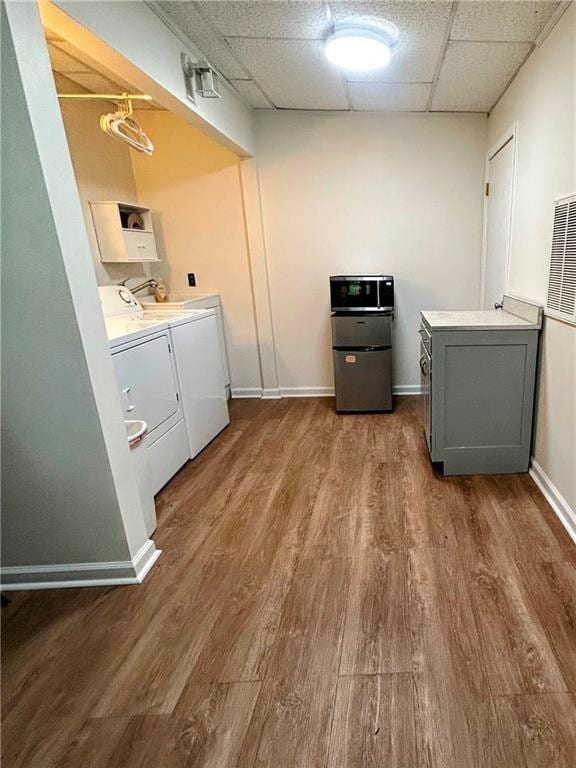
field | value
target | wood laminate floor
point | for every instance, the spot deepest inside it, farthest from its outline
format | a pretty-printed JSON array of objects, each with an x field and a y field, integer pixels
[{"x": 324, "y": 600}]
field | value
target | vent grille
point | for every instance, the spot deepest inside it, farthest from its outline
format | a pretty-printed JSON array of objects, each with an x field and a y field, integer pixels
[{"x": 561, "y": 294}]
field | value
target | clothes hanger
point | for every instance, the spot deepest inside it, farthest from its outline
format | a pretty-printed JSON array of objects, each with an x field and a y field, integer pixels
[
  {"x": 123, "y": 126},
  {"x": 120, "y": 124}
]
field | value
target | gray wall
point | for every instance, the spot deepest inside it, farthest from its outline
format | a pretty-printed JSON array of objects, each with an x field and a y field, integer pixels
[{"x": 62, "y": 500}]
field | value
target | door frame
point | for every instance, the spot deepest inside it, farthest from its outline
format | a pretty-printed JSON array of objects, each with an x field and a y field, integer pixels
[{"x": 511, "y": 134}]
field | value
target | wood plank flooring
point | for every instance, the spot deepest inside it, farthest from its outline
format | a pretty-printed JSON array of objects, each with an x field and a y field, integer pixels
[{"x": 325, "y": 599}]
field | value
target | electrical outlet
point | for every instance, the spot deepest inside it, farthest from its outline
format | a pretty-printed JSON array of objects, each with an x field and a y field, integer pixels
[{"x": 191, "y": 279}]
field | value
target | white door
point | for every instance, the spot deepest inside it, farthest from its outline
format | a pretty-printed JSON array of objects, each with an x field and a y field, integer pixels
[
  {"x": 204, "y": 402},
  {"x": 498, "y": 218},
  {"x": 146, "y": 380}
]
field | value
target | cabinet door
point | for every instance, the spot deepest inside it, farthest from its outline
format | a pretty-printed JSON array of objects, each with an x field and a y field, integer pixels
[
  {"x": 140, "y": 246},
  {"x": 482, "y": 400},
  {"x": 146, "y": 380}
]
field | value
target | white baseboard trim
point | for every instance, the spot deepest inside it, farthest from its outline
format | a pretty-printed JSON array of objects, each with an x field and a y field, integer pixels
[
  {"x": 276, "y": 394},
  {"x": 102, "y": 574},
  {"x": 407, "y": 389},
  {"x": 243, "y": 392},
  {"x": 307, "y": 391},
  {"x": 144, "y": 559},
  {"x": 271, "y": 394},
  {"x": 399, "y": 389},
  {"x": 564, "y": 512}
]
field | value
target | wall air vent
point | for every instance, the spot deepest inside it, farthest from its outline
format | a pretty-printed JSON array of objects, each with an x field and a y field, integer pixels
[{"x": 561, "y": 292}]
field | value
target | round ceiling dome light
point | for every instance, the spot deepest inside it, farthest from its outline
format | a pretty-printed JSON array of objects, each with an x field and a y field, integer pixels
[{"x": 358, "y": 50}]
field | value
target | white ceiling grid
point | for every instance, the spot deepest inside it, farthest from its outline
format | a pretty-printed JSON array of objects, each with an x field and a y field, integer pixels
[{"x": 450, "y": 56}]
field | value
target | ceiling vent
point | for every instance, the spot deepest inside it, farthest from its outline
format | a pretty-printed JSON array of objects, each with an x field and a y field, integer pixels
[{"x": 561, "y": 292}]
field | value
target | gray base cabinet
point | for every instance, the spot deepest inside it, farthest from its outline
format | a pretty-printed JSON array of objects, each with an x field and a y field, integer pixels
[{"x": 478, "y": 389}]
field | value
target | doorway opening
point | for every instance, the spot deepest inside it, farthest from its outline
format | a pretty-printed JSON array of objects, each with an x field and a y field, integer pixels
[{"x": 499, "y": 195}]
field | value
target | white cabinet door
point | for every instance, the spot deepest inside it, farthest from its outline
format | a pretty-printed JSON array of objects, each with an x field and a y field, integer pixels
[
  {"x": 200, "y": 376},
  {"x": 146, "y": 380},
  {"x": 140, "y": 246}
]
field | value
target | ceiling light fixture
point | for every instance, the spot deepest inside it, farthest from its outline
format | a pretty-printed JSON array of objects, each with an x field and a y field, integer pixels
[{"x": 358, "y": 50}]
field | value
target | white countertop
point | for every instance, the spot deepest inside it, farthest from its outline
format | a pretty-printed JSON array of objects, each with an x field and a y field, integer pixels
[{"x": 476, "y": 320}]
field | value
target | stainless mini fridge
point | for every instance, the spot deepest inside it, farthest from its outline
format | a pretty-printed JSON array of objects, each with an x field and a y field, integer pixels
[{"x": 362, "y": 354}]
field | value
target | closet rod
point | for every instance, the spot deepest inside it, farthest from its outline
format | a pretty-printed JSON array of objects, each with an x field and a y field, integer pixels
[{"x": 107, "y": 96}]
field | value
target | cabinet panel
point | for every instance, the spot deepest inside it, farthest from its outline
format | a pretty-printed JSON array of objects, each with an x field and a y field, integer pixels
[
  {"x": 482, "y": 400},
  {"x": 140, "y": 246},
  {"x": 484, "y": 388}
]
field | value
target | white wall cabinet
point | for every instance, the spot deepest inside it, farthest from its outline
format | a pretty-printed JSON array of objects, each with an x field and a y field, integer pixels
[{"x": 118, "y": 239}]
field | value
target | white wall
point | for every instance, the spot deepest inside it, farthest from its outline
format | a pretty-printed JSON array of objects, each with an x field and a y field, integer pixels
[
  {"x": 69, "y": 488},
  {"x": 350, "y": 193},
  {"x": 103, "y": 171},
  {"x": 193, "y": 186},
  {"x": 542, "y": 101}
]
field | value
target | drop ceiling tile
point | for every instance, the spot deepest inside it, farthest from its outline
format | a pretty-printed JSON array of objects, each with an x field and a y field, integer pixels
[
  {"x": 294, "y": 74},
  {"x": 194, "y": 26},
  {"x": 389, "y": 97},
  {"x": 261, "y": 18},
  {"x": 252, "y": 94},
  {"x": 474, "y": 75},
  {"x": 512, "y": 20},
  {"x": 422, "y": 28}
]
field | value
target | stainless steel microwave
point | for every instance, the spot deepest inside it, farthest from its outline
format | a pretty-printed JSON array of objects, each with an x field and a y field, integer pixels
[{"x": 362, "y": 293}]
